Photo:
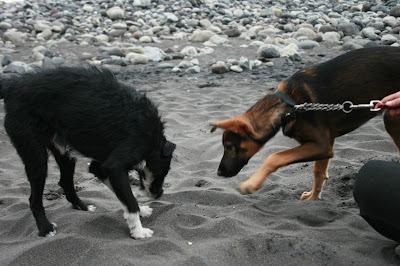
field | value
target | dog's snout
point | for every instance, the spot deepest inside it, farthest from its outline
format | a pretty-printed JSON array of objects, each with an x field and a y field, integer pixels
[
  {"x": 221, "y": 171},
  {"x": 159, "y": 194},
  {"x": 229, "y": 170},
  {"x": 156, "y": 193}
]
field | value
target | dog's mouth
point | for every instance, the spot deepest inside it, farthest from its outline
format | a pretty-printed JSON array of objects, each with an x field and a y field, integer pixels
[
  {"x": 146, "y": 179},
  {"x": 227, "y": 175},
  {"x": 231, "y": 171}
]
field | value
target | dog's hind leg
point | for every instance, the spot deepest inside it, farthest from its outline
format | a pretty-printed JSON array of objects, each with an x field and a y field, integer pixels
[
  {"x": 392, "y": 126},
  {"x": 34, "y": 156},
  {"x": 67, "y": 169},
  {"x": 320, "y": 176}
]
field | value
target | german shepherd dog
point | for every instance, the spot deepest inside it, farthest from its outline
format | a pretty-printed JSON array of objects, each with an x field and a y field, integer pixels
[
  {"x": 86, "y": 110},
  {"x": 358, "y": 76}
]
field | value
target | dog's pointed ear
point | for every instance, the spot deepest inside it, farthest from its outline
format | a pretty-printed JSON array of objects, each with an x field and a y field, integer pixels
[
  {"x": 168, "y": 148},
  {"x": 235, "y": 125}
]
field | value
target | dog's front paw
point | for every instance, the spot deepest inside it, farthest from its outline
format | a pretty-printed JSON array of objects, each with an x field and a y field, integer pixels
[
  {"x": 140, "y": 233},
  {"x": 91, "y": 208},
  {"x": 248, "y": 187},
  {"x": 145, "y": 211},
  {"x": 310, "y": 196},
  {"x": 52, "y": 232},
  {"x": 135, "y": 226}
]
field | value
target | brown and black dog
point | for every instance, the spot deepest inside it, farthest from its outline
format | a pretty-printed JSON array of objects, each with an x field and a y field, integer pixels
[{"x": 358, "y": 76}]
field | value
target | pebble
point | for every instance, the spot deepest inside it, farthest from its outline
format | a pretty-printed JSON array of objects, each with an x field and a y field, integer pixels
[
  {"x": 16, "y": 67},
  {"x": 245, "y": 63},
  {"x": 395, "y": 11},
  {"x": 184, "y": 64},
  {"x": 219, "y": 68},
  {"x": 115, "y": 13},
  {"x": 389, "y": 40},
  {"x": 237, "y": 69},
  {"x": 270, "y": 52},
  {"x": 348, "y": 29},
  {"x": 201, "y": 183},
  {"x": 123, "y": 33},
  {"x": 331, "y": 37},
  {"x": 154, "y": 54},
  {"x": 193, "y": 70},
  {"x": 201, "y": 36},
  {"x": 189, "y": 51},
  {"x": 14, "y": 36},
  {"x": 308, "y": 44},
  {"x": 136, "y": 58},
  {"x": 370, "y": 33}
]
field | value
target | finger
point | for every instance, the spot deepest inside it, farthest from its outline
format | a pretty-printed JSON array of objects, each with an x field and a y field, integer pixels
[
  {"x": 393, "y": 103},
  {"x": 391, "y": 97}
]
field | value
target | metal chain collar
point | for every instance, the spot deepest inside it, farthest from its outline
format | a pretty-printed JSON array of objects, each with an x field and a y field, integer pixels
[{"x": 347, "y": 106}]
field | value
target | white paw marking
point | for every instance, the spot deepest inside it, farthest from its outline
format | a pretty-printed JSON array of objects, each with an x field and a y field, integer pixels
[
  {"x": 145, "y": 211},
  {"x": 135, "y": 226},
  {"x": 141, "y": 233},
  {"x": 91, "y": 208},
  {"x": 54, "y": 232}
]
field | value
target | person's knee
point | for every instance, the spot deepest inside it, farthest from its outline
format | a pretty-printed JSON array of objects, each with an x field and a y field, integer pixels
[{"x": 376, "y": 191}]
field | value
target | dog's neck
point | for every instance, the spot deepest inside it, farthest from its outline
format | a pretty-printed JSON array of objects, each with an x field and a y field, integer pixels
[{"x": 266, "y": 117}]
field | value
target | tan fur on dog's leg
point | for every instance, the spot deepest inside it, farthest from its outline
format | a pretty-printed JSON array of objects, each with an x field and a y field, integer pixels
[
  {"x": 252, "y": 184},
  {"x": 306, "y": 152},
  {"x": 392, "y": 126},
  {"x": 320, "y": 176}
]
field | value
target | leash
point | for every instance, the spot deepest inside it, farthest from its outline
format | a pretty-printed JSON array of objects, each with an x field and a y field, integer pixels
[{"x": 346, "y": 107}]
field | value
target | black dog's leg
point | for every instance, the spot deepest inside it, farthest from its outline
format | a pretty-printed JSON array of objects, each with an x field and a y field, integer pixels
[
  {"x": 67, "y": 169},
  {"x": 96, "y": 169},
  {"x": 118, "y": 179},
  {"x": 34, "y": 156}
]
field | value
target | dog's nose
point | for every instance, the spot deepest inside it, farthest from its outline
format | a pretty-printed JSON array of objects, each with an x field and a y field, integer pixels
[
  {"x": 221, "y": 171},
  {"x": 159, "y": 194}
]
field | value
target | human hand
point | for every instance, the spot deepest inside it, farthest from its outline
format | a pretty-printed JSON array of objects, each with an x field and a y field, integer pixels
[{"x": 393, "y": 102}]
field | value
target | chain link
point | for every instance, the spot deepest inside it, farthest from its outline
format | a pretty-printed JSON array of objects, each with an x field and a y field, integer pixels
[
  {"x": 318, "y": 107},
  {"x": 346, "y": 107}
]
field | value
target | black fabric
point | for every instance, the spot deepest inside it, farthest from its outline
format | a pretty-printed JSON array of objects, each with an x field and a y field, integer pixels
[{"x": 377, "y": 192}]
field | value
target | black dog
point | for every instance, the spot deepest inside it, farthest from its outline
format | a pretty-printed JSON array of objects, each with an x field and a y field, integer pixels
[{"x": 86, "y": 110}]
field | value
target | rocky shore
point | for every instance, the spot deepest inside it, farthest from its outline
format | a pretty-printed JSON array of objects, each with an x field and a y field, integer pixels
[{"x": 176, "y": 34}]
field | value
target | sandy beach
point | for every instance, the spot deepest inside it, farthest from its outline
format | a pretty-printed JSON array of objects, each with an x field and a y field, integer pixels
[{"x": 202, "y": 219}]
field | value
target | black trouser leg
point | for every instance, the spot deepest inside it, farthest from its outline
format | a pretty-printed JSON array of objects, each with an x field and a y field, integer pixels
[{"x": 377, "y": 192}]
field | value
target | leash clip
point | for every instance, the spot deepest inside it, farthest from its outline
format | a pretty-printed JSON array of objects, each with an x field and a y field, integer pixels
[{"x": 373, "y": 106}]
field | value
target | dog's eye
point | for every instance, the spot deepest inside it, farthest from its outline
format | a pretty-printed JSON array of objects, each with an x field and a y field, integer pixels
[
  {"x": 243, "y": 150},
  {"x": 229, "y": 147}
]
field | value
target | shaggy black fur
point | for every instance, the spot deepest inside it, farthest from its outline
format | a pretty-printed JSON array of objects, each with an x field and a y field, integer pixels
[{"x": 86, "y": 110}]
